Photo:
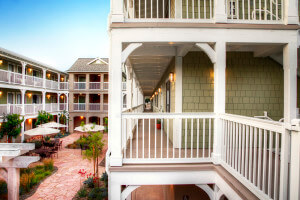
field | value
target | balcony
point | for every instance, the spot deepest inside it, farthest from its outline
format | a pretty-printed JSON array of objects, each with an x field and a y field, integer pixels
[
  {"x": 203, "y": 11},
  {"x": 95, "y": 86},
  {"x": 79, "y": 85},
  {"x": 64, "y": 86},
  {"x": 79, "y": 106},
  {"x": 251, "y": 149},
  {"x": 94, "y": 107},
  {"x": 124, "y": 86}
]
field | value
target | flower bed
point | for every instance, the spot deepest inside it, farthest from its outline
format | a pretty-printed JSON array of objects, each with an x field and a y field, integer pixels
[
  {"x": 93, "y": 187},
  {"x": 30, "y": 178}
]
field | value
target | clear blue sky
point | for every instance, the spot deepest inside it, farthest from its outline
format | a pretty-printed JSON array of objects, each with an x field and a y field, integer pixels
[{"x": 55, "y": 32}]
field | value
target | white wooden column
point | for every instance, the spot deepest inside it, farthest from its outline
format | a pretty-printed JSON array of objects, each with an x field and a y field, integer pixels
[
  {"x": 290, "y": 105},
  {"x": 178, "y": 100},
  {"x": 22, "y": 131},
  {"x": 115, "y": 98},
  {"x": 178, "y": 9},
  {"x": 220, "y": 11},
  {"x": 13, "y": 183},
  {"x": 219, "y": 96},
  {"x": 291, "y": 12},
  {"x": 23, "y": 94},
  {"x": 23, "y": 72},
  {"x": 67, "y": 102},
  {"x": 58, "y": 96},
  {"x": 44, "y": 100},
  {"x": 295, "y": 161},
  {"x": 44, "y": 78},
  {"x": 116, "y": 10}
]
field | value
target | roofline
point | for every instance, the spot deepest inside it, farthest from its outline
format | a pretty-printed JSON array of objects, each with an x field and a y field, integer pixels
[
  {"x": 97, "y": 59},
  {"x": 13, "y": 55},
  {"x": 85, "y": 71}
]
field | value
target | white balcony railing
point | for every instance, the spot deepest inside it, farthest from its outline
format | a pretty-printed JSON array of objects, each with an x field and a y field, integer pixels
[
  {"x": 63, "y": 85},
  {"x": 94, "y": 106},
  {"x": 62, "y": 106},
  {"x": 79, "y": 85},
  {"x": 105, "y": 107},
  {"x": 251, "y": 149},
  {"x": 79, "y": 106},
  {"x": 95, "y": 86},
  {"x": 105, "y": 85},
  {"x": 33, "y": 108},
  {"x": 10, "y": 109},
  {"x": 238, "y": 11},
  {"x": 124, "y": 84},
  {"x": 51, "y": 107},
  {"x": 10, "y": 77}
]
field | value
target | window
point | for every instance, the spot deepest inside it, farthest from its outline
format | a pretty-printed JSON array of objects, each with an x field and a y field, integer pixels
[
  {"x": 168, "y": 97},
  {"x": 11, "y": 67}
]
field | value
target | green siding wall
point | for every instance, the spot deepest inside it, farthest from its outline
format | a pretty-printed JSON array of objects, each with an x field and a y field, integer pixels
[{"x": 253, "y": 85}]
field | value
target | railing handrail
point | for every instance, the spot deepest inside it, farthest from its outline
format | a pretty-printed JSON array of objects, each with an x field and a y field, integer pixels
[
  {"x": 274, "y": 126},
  {"x": 169, "y": 115}
]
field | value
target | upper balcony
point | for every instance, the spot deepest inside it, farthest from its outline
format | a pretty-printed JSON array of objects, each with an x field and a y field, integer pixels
[
  {"x": 205, "y": 11},
  {"x": 90, "y": 82}
]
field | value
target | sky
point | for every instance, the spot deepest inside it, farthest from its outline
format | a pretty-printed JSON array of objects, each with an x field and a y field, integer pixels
[{"x": 55, "y": 32}]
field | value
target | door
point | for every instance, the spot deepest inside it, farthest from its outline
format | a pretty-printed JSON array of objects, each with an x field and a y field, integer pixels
[
  {"x": 19, "y": 98},
  {"x": 168, "y": 97}
]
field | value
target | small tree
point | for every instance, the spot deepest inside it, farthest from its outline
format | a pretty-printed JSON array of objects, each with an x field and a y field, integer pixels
[
  {"x": 43, "y": 117},
  {"x": 64, "y": 117},
  {"x": 11, "y": 126},
  {"x": 95, "y": 149}
]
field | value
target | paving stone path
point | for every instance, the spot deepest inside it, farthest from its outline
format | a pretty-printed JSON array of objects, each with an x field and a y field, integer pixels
[{"x": 65, "y": 183}]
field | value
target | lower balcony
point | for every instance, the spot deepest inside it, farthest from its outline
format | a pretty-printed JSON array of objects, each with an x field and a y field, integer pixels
[{"x": 250, "y": 149}]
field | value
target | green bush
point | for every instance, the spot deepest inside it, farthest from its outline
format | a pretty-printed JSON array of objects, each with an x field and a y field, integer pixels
[
  {"x": 82, "y": 192},
  {"x": 47, "y": 173},
  {"x": 39, "y": 177},
  {"x": 48, "y": 164},
  {"x": 98, "y": 193},
  {"x": 89, "y": 182},
  {"x": 38, "y": 144},
  {"x": 104, "y": 178},
  {"x": 3, "y": 187}
]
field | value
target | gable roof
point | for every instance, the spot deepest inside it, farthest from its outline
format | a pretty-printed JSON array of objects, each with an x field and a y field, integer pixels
[{"x": 90, "y": 65}]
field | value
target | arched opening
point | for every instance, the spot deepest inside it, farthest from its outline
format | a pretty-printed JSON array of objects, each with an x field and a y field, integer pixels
[
  {"x": 78, "y": 120},
  {"x": 170, "y": 192},
  {"x": 95, "y": 120}
]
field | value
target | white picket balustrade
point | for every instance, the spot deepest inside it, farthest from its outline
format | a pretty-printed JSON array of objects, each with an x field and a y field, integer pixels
[
  {"x": 54, "y": 85},
  {"x": 105, "y": 85},
  {"x": 79, "y": 106},
  {"x": 95, "y": 86},
  {"x": 38, "y": 82},
  {"x": 124, "y": 85},
  {"x": 79, "y": 85},
  {"x": 94, "y": 106},
  {"x": 255, "y": 11},
  {"x": 62, "y": 106},
  {"x": 105, "y": 107},
  {"x": 251, "y": 151},
  {"x": 181, "y": 138},
  {"x": 63, "y": 85}
]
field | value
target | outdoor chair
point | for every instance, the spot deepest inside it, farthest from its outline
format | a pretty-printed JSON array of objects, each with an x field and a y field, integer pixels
[{"x": 60, "y": 145}]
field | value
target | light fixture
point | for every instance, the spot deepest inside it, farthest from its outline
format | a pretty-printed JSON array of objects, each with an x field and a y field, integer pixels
[
  {"x": 81, "y": 117},
  {"x": 29, "y": 95},
  {"x": 30, "y": 70},
  {"x": 62, "y": 78},
  {"x": 156, "y": 93},
  {"x": 98, "y": 94},
  {"x": 29, "y": 121},
  {"x": 48, "y": 96},
  {"x": 159, "y": 90},
  {"x": 62, "y": 97},
  {"x": 0, "y": 93},
  {"x": 0, "y": 124},
  {"x": 1, "y": 62},
  {"x": 48, "y": 75},
  {"x": 99, "y": 74},
  {"x": 171, "y": 77}
]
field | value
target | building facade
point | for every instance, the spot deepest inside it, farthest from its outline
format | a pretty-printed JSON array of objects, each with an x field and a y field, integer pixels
[
  {"x": 88, "y": 91},
  {"x": 222, "y": 80},
  {"x": 28, "y": 86}
]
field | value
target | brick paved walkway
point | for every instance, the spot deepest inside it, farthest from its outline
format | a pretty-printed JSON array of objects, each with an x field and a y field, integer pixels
[{"x": 65, "y": 183}]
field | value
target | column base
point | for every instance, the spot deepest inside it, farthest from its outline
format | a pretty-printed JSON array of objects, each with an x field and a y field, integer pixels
[{"x": 216, "y": 158}]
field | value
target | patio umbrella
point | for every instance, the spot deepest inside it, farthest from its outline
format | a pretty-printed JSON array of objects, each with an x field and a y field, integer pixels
[
  {"x": 41, "y": 131},
  {"x": 53, "y": 125},
  {"x": 89, "y": 127}
]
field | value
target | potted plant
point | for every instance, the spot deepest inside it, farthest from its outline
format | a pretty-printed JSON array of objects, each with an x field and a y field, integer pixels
[{"x": 158, "y": 124}]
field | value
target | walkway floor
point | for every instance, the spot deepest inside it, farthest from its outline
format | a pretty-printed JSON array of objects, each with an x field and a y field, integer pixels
[{"x": 65, "y": 183}]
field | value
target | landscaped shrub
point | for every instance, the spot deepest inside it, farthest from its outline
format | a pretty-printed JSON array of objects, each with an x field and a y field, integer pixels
[
  {"x": 82, "y": 192},
  {"x": 3, "y": 188},
  {"x": 48, "y": 164},
  {"x": 95, "y": 193},
  {"x": 38, "y": 144},
  {"x": 104, "y": 178},
  {"x": 89, "y": 182},
  {"x": 26, "y": 181}
]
